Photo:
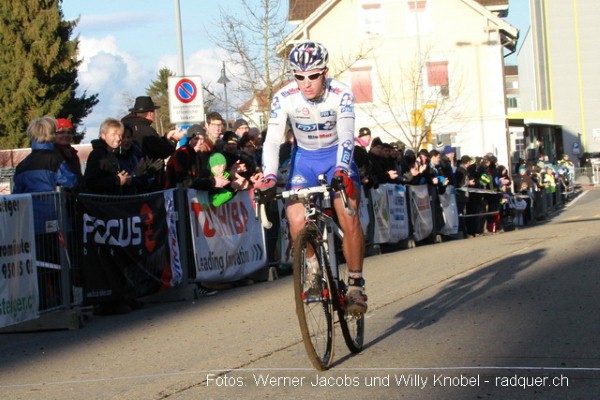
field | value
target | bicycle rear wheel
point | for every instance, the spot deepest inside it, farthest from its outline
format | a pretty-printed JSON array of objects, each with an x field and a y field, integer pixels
[
  {"x": 352, "y": 325},
  {"x": 314, "y": 308}
]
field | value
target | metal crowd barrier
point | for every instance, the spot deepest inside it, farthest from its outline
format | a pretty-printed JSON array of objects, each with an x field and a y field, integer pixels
[{"x": 58, "y": 236}]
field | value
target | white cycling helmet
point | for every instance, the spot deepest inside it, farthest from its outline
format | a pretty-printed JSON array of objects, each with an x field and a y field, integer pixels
[{"x": 308, "y": 56}]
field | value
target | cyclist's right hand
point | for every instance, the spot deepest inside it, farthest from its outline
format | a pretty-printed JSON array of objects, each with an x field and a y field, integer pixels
[{"x": 266, "y": 189}]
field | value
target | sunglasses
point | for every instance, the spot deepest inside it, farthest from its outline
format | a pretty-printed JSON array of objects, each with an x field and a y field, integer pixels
[{"x": 311, "y": 77}]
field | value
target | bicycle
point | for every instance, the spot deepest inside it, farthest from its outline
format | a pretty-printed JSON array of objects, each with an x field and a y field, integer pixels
[{"x": 322, "y": 292}]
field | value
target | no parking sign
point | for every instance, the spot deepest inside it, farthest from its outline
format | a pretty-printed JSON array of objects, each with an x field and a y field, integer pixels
[{"x": 186, "y": 102}]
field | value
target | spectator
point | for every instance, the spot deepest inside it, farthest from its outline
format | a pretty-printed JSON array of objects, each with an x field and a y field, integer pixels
[
  {"x": 42, "y": 171},
  {"x": 218, "y": 168},
  {"x": 241, "y": 128},
  {"x": 214, "y": 129},
  {"x": 247, "y": 155},
  {"x": 230, "y": 148},
  {"x": 361, "y": 157},
  {"x": 185, "y": 165},
  {"x": 153, "y": 145},
  {"x": 141, "y": 169},
  {"x": 258, "y": 139},
  {"x": 103, "y": 174},
  {"x": 382, "y": 170},
  {"x": 463, "y": 181},
  {"x": 449, "y": 158},
  {"x": 63, "y": 143},
  {"x": 441, "y": 177}
]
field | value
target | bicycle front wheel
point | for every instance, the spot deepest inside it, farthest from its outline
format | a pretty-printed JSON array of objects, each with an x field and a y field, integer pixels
[
  {"x": 352, "y": 325},
  {"x": 314, "y": 306}
]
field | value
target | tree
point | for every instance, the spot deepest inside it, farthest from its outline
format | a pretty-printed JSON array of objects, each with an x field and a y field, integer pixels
[
  {"x": 412, "y": 107},
  {"x": 159, "y": 91},
  {"x": 38, "y": 69},
  {"x": 250, "y": 38}
]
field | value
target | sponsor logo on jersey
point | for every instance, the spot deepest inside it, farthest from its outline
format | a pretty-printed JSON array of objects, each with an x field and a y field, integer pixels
[
  {"x": 346, "y": 152},
  {"x": 306, "y": 127},
  {"x": 327, "y": 126},
  {"x": 298, "y": 180},
  {"x": 275, "y": 105},
  {"x": 328, "y": 113},
  {"x": 347, "y": 103},
  {"x": 289, "y": 92}
]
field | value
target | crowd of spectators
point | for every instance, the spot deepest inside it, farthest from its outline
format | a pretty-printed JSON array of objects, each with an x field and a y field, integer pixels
[
  {"x": 130, "y": 157},
  {"x": 486, "y": 196}
]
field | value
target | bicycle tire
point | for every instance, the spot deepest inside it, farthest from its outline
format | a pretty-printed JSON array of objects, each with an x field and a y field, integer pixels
[
  {"x": 352, "y": 325},
  {"x": 314, "y": 316}
]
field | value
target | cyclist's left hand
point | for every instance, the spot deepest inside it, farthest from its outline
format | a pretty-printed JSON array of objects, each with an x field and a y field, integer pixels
[{"x": 348, "y": 183}]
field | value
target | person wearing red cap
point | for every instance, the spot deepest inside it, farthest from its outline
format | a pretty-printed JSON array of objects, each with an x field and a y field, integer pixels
[{"x": 63, "y": 143}]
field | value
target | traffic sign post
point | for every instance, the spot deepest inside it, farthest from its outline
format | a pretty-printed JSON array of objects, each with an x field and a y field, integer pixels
[{"x": 186, "y": 102}]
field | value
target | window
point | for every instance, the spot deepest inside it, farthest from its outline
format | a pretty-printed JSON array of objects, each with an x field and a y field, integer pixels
[
  {"x": 362, "y": 85},
  {"x": 512, "y": 102},
  {"x": 437, "y": 76},
  {"x": 372, "y": 19},
  {"x": 417, "y": 5}
]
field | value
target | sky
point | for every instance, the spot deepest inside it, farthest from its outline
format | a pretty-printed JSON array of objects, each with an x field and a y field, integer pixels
[{"x": 124, "y": 43}]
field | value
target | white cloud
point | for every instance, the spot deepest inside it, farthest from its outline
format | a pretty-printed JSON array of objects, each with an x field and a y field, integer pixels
[
  {"x": 114, "y": 74},
  {"x": 117, "y": 76}
]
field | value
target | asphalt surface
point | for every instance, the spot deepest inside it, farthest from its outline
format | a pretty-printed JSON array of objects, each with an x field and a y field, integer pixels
[{"x": 506, "y": 316}]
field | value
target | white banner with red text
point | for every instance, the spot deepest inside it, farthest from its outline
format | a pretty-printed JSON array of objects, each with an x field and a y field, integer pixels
[{"x": 229, "y": 242}]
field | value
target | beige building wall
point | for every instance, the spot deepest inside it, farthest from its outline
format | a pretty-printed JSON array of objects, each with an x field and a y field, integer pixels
[{"x": 460, "y": 32}]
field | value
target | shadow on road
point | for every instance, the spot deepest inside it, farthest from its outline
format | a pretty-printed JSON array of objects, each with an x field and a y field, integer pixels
[{"x": 460, "y": 291}]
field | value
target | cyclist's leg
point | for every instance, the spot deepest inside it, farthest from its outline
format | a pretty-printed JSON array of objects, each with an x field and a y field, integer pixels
[{"x": 353, "y": 247}]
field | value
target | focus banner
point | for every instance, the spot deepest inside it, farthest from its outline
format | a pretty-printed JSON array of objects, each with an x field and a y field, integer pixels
[{"x": 130, "y": 247}]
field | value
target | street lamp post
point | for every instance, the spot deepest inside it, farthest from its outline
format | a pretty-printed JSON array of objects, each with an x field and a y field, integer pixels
[{"x": 224, "y": 80}]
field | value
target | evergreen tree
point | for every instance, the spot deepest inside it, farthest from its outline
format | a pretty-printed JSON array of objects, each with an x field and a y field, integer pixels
[
  {"x": 159, "y": 91},
  {"x": 38, "y": 68}
]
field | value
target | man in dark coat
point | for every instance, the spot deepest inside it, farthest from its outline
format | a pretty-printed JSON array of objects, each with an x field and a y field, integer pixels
[{"x": 153, "y": 146}]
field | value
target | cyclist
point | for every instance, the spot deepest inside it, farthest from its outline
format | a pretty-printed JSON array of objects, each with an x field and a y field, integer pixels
[{"x": 320, "y": 112}]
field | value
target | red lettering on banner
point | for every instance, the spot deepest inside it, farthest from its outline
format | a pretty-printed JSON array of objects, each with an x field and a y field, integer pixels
[
  {"x": 148, "y": 218},
  {"x": 225, "y": 220}
]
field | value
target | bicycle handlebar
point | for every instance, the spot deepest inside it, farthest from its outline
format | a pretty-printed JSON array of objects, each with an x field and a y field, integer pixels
[{"x": 337, "y": 185}]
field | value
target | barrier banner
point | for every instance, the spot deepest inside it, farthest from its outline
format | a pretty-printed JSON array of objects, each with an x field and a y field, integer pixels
[
  {"x": 229, "y": 243},
  {"x": 382, "y": 216},
  {"x": 398, "y": 210},
  {"x": 130, "y": 247},
  {"x": 19, "y": 300},
  {"x": 449, "y": 211},
  {"x": 420, "y": 211}
]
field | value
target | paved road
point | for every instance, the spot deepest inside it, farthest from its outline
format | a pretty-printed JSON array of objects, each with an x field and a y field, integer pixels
[{"x": 506, "y": 316}]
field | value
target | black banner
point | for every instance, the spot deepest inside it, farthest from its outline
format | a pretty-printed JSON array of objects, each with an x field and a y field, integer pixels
[{"x": 125, "y": 247}]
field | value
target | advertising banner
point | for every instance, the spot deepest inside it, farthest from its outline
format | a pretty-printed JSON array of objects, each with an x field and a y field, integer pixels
[
  {"x": 420, "y": 211},
  {"x": 130, "y": 247},
  {"x": 398, "y": 210},
  {"x": 19, "y": 300},
  {"x": 229, "y": 242},
  {"x": 449, "y": 211}
]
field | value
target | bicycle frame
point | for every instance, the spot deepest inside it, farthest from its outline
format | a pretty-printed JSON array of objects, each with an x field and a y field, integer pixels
[{"x": 317, "y": 300}]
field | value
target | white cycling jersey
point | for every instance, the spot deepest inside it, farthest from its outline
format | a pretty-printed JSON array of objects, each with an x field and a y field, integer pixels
[{"x": 320, "y": 124}]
